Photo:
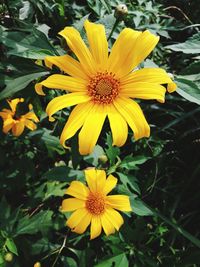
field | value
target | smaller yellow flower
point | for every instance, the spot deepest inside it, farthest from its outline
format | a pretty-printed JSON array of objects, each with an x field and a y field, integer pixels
[
  {"x": 93, "y": 205},
  {"x": 17, "y": 123}
]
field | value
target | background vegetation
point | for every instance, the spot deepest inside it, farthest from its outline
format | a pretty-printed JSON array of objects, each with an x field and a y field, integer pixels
[{"x": 161, "y": 174}]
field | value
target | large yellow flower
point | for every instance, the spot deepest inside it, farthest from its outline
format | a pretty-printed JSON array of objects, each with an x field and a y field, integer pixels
[
  {"x": 102, "y": 84},
  {"x": 17, "y": 123},
  {"x": 93, "y": 205}
]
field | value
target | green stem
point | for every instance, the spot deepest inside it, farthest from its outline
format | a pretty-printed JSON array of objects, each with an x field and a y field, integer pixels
[{"x": 113, "y": 28}]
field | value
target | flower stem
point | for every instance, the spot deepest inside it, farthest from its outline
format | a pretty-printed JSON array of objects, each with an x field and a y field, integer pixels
[{"x": 113, "y": 28}]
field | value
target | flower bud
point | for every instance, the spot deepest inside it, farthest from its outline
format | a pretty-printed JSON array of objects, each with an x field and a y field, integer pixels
[
  {"x": 37, "y": 264},
  {"x": 8, "y": 257},
  {"x": 103, "y": 159},
  {"x": 121, "y": 11}
]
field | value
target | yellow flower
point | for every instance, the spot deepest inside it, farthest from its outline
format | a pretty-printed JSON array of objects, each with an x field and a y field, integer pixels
[
  {"x": 103, "y": 85},
  {"x": 17, "y": 123},
  {"x": 93, "y": 205}
]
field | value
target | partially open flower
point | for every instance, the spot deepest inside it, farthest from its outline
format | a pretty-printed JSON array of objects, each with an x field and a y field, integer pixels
[
  {"x": 93, "y": 205},
  {"x": 17, "y": 123}
]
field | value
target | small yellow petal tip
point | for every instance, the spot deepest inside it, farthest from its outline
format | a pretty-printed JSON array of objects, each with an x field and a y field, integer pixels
[
  {"x": 51, "y": 119},
  {"x": 38, "y": 89}
]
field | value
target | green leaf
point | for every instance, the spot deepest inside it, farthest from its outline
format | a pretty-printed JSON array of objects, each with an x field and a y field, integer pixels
[
  {"x": 193, "y": 68},
  {"x": 40, "y": 246},
  {"x": 130, "y": 162},
  {"x": 129, "y": 180},
  {"x": 34, "y": 224},
  {"x": 189, "y": 90},
  {"x": 139, "y": 207},
  {"x": 54, "y": 188},
  {"x": 11, "y": 246},
  {"x": 112, "y": 152},
  {"x": 52, "y": 142},
  {"x": 29, "y": 44},
  {"x": 191, "y": 46},
  {"x": 94, "y": 157},
  {"x": 117, "y": 261},
  {"x": 19, "y": 84}
]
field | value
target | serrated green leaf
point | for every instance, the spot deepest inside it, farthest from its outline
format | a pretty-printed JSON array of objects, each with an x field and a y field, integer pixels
[
  {"x": 129, "y": 180},
  {"x": 131, "y": 162},
  {"x": 93, "y": 158},
  {"x": 112, "y": 152}
]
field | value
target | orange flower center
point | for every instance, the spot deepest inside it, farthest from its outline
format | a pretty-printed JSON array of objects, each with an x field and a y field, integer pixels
[
  {"x": 103, "y": 88},
  {"x": 95, "y": 203}
]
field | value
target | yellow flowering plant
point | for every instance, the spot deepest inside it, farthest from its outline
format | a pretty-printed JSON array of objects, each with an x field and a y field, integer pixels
[
  {"x": 115, "y": 197},
  {"x": 92, "y": 204},
  {"x": 103, "y": 84},
  {"x": 17, "y": 123}
]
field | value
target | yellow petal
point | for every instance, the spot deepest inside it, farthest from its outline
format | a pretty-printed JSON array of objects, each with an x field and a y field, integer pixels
[
  {"x": 98, "y": 43},
  {"x": 65, "y": 101},
  {"x": 78, "y": 190},
  {"x": 71, "y": 204},
  {"x": 7, "y": 125},
  {"x": 100, "y": 180},
  {"x": 111, "y": 182},
  {"x": 31, "y": 116},
  {"x": 95, "y": 229},
  {"x": 138, "y": 46},
  {"x": 171, "y": 87},
  {"x": 144, "y": 90},
  {"x": 144, "y": 45},
  {"x": 119, "y": 202},
  {"x": 13, "y": 103},
  {"x": 114, "y": 217},
  {"x": 91, "y": 129},
  {"x": 95, "y": 179},
  {"x": 107, "y": 226},
  {"x": 150, "y": 75},
  {"x": 83, "y": 224},
  {"x": 120, "y": 59},
  {"x": 118, "y": 126},
  {"x": 75, "y": 121},
  {"x": 18, "y": 128},
  {"x": 68, "y": 64},
  {"x": 6, "y": 114},
  {"x": 79, "y": 48},
  {"x": 62, "y": 82},
  {"x": 30, "y": 125},
  {"x": 76, "y": 217},
  {"x": 91, "y": 177},
  {"x": 134, "y": 116}
]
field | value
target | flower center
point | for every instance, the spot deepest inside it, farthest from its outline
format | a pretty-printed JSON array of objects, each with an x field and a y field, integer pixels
[
  {"x": 103, "y": 88},
  {"x": 95, "y": 203}
]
